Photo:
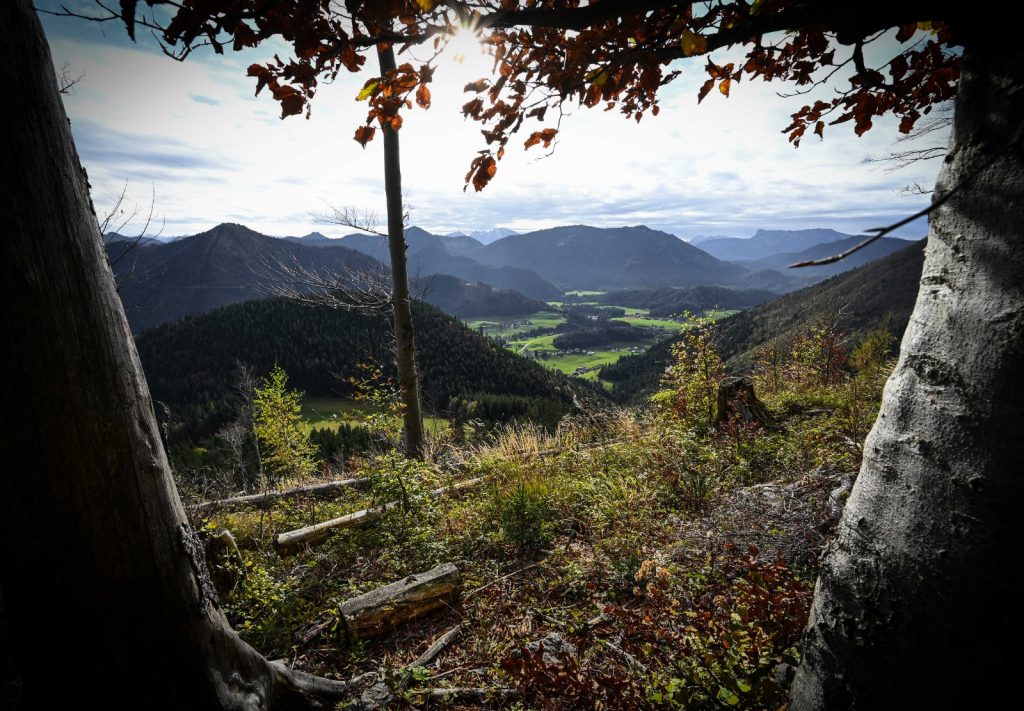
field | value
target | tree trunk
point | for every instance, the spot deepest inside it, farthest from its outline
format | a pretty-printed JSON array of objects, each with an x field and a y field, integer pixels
[
  {"x": 916, "y": 603},
  {"x": 104, "y": 581},
  {"x": 408, "y": 381}
]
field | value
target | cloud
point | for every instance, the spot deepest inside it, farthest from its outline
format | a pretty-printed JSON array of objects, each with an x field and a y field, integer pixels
[
  {"x": 163, "y": 156},
  {"x": 204, "y": 100},
  {"x": 214, "y": 151}
]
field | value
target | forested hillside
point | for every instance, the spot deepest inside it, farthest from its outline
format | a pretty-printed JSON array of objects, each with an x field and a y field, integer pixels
[
  {"x": 674, "y": 301},
  {"x": 190, "y": 365},
  {"x": 879, "y": 294},
  {"x": 466, "y": 300}
]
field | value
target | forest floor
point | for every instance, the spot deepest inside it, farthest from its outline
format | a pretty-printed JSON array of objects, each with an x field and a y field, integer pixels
[{"x": 628, "y": 560}]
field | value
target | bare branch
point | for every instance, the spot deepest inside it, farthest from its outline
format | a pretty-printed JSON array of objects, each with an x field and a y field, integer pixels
[
  {"x": 940, "y": 123},
  {"x": 65, "y": 83},
  {"x": 145, "y": 227},
  {"x": 366, "y": 290},
  {"x": 364, "y": 220}
]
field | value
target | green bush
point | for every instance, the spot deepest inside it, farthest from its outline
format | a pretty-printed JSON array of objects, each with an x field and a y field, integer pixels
[{"x": 523, "y": 509}]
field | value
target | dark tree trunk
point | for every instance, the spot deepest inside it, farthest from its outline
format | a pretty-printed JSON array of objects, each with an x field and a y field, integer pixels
[
  {"x": 917, "y": 601},
  {"x": 408, "y": 381},
  {"x": 104, "y": 582}
]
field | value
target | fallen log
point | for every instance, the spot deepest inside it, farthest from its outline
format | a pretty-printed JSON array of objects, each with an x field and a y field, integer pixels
[
  {"x": 378, "y": 611},
  {"x": 325, "y": 490},
  {"x": 289, "y": 541}
]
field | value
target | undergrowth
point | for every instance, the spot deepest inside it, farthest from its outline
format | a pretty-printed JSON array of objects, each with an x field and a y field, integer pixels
[{"x": 673, "y": 556}]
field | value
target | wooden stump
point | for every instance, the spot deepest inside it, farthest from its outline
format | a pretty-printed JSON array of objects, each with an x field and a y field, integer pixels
[
  {"x": 379, "y": 611},
  {"x": 738, "y": 402}
]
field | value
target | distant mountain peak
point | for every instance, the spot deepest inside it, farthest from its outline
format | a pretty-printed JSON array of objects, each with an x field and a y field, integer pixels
[
  {"x": 824, "y": 234},
  {"x": 229, "y": 229},
  {"x": 484, "y": 236}
]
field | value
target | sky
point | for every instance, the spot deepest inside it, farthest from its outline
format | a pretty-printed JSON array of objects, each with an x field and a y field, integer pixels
[{"x": 191, "y": 141}]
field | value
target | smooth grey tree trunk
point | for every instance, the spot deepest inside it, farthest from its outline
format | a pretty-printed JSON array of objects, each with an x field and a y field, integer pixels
[
  {"x": 408, "y": 380},
  {"x": 918, "y": 601},
  {"x": 105, "y": 586}
]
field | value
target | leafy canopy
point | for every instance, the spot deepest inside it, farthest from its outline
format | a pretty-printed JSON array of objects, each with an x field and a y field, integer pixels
[{"x": 548, "y": 53}]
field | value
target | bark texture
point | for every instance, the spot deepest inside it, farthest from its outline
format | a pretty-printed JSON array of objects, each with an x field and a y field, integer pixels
[
  {"x": 408, "y": 380},
  {"x": 915, "y": 605},
  {"x": 378, "y": 611},
  {"x": 104, "y": 581}
]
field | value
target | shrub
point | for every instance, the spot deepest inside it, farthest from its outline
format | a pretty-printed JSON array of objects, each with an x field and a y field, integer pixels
[{"x": 523, "y": 510}]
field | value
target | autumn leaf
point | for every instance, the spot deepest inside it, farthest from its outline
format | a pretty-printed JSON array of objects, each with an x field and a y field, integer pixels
[
  {"x": 906, "y": 32},
  {"x": 262, "y": 75},
  {"x": 693, "y": 44},
  {"x": 481, "y": 171},
  {"x": 423, "y": 97},
  {"x": 477, "y": 86},
  {"x": 546, "y": 135},
  {"x": 367, "y": 89},
  {"x": 364, "y": 134},
  {"x": 723, "y": 87},
  {"x": 820, "y": 129},
  {"x": 707, "y": 86}
]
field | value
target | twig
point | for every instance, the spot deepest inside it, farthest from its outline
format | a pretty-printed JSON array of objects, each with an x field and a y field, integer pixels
[
  {"x": 437, "y": 647},
  {"x": 629, "y": 657},
  {"x": 503, "y": 577}
]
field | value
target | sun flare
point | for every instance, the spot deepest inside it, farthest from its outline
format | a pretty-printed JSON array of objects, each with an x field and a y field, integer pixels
[{"x": 464, "y": 42}]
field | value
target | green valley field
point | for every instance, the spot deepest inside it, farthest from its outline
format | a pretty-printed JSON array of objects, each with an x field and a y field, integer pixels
[{"x": 584, "y": 363}]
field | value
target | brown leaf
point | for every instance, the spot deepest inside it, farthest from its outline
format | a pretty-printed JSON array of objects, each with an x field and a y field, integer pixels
[
  {"x": 546, "y": 136},
  {"x": 708, "y": 85},
  {"x": 423, "y": 97},
  {"x": 477, "y": 86},
  {"x": 906, "y": 32},
  {"x": 364, "y": 134}
]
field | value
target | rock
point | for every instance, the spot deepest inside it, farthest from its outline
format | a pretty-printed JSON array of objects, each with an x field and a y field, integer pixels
[{"x": 555, "y": 646}]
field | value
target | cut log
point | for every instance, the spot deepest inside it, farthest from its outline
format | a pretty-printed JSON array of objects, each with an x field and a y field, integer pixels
[
  {"x": 290, "y": 541},
  {"x": 325, "y": 490},
  {"x": 738, "y": 402},
  {"x": 378, "y": 611}
]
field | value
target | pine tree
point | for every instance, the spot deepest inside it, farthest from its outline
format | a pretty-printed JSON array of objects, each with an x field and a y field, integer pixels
[{"x": 279, "y": 426}]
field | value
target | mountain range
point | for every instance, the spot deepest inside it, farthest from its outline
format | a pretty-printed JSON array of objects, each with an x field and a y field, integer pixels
[
  {"x": 876, "y": 250},
  {"x": 225, "y": 265},
  {"x": 231, "y": 263},
  {"x": 765, "y": 243},
  {"x": 485, "y": 236}
]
